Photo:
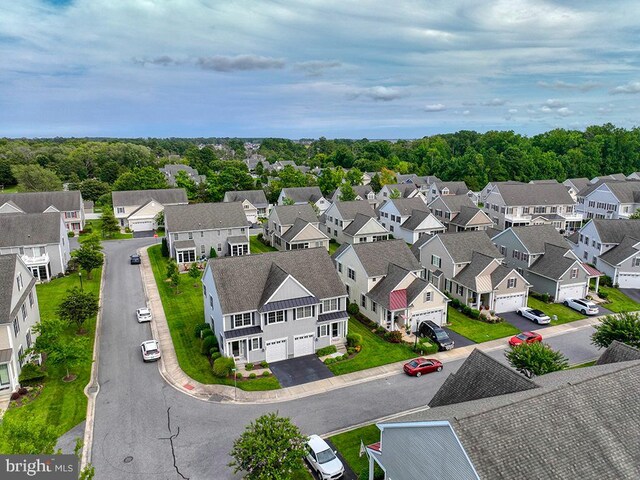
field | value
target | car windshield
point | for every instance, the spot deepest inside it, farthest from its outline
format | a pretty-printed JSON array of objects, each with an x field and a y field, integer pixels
[
  {"x": 326, "y": 456},
  {"x": 522, "y": 336},
  {"x": 442, "y": 335},
  {"x": 153, "y": 351},
  {"x": 538, "y": 313},
  {"x": 413, "y": 363}
]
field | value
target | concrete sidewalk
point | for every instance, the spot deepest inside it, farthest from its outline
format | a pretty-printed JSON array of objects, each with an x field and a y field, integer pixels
[{"x": 174, "y": 376}]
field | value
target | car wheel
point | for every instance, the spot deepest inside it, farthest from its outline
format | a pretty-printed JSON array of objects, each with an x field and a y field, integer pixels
[
  {"x": 520, "y": 313},
  {"x": 439, "y": 369},
  {"x": 419, "y": 374},
  {"x": 566, "y": 304},
  {"x": 583, "y": 311}
]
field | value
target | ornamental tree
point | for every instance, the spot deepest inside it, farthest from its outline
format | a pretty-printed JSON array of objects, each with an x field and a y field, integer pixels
[
  {"x": 624, "y": 327},
  {"x": 535, "y": 359},
  {"x": 78, "y": 306}
]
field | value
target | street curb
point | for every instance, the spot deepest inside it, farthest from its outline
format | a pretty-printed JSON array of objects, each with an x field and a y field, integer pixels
[{"x": 87, "y": 445}]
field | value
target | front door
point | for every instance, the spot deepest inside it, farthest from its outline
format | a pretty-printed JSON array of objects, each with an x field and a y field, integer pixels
[
  {"x": 335, "y": 330},
  {"x": 237, "y": 348}
]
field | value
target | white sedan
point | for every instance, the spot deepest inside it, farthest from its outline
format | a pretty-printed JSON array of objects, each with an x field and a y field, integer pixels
[
  {"x": 537, "y": 316},
  {"x": 584, "y": 306},
  {"x": 150, "y": 350},
  {"x": 143, "y": 314},
  {"x": 323, "y": 459}
]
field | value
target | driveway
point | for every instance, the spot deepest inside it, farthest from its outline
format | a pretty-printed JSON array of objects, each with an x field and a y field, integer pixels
[
  {"x": 297, "y": 371},
  {"x": 521, "y": 323},
  {"x": 146, "y": 234},
  {"x": 458, "y": 339},
  {"x": 632, "y": 293}
]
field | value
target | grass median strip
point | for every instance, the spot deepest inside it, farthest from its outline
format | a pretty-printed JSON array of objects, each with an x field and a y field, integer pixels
[
  {"x": 563, "y": 314},
  {"x": 477, "y": 330},
  {"x": 619, "y": 302}
]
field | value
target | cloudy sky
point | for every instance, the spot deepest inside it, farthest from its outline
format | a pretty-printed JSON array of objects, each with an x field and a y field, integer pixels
[{"x": 306, "y": 68}]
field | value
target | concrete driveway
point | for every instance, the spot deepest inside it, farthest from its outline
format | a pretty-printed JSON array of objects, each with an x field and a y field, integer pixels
[
  {"x": 521, "y": 323},
  {"x": 297, "y": 371},
  {"x": 632, "y": 293}
]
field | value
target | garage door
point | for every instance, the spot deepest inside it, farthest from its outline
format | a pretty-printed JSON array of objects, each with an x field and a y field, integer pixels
[
  {"x": 509, "y": 303},
  {"x": 141, "y": 225},
  {"x": 571, "y": 291},
  {"x": 276, "y": 350},
  {"x": 436, "y": 316},
  {"x": 628, "y": 280},
  {"x": 303, "y": 345}
]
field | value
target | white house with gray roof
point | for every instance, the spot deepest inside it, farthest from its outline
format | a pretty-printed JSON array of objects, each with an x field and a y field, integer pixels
[
  {"x": 254, "y": 202},
  {"x": 337, "y": 219},
  {"x": 303, "y": 195},
  {"x": 40, "y": 239},
  {"x": 137, "y": 209},
  {"x": 363, "y": 192},
  {"x": 610, "y": 199},
  {"x": 396, "y": 211},
  {"x": 574, "y": 186},
  {"x": 67, "y": 204},
  {"x": 275, "y": 306},
  {"x": 295, "y": 227},
  {"x": 458, "y": 213},
  {"x": 402, "y": 190},
  {"x": 438, "y": 189},
  {"x": 171, "y": 170},
  {"x": 18, "y": 314},
  {"x": 193, "y": 230}
]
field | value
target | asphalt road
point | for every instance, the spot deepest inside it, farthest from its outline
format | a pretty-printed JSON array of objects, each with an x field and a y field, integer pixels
[{"x": 137, "y": 413}]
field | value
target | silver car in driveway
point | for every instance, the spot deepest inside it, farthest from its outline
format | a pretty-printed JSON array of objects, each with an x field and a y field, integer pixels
[
  {"x": 323, "y": 460},
  {"x": 150, "y": 350},
  {"x": 582, "y": 305},
  {"x": 143, "y": 314}
]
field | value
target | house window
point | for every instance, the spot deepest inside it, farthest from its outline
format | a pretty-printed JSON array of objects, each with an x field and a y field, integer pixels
[
  {"x": 31, "y": 298},
  {"x": 120, "y": 210},
  {"x": 636, "y": 262},
  {"x": 323, "y": 330},
  {"x": 428, "y": 296},
  {"x": 574, "y": 273},
  {"x": 304, "y": 312},
  {"x": 219, "y": 247},
  {"x": 275, "y": 317},
  {"x": 351, "y": 273},
  {"x": 339, "y": 267},
  {"x": 175, "y": 236},
  {"x": 348, "y": 290},
  {"x": 503, "y": 250},
  {"x": 190, "y": 235},
  {"x": 19, "y": 281},
  {"x": 254, "y": 343},
  {"x": 391, "y": 228},
  {"x": 363, "y": 300},
  {"x": 459, "y": 290},
  {"x": 374, "y": 306},
  {"x": 242, "y": 320},
  {"x": 23, "y": 310},
  {"x": 512, "y": 282},
  {"x": 330, "y": 305},
  {"x": 436, "y": 261},
  {"x": 524, "y": 257},
  {"x": 586, "y": 241},
  {"x": 21, "y": 355},
  {"x": 16, "y": 327},
  {"x": 201, "y": 234},
  {"x": 585, "y": 255},
  {"x": 211, "y": 301},
  {"x": 204, "y": 291}
]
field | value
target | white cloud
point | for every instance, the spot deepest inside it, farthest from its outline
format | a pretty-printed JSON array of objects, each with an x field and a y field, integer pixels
[
  {"x": 495, "y": 102},
  {"x": 222, "y": 63},
  {"x": 378, "y": 93},
  {"x": 435, "y": 107},
  {"x": 631, "y": 87},
  {"x": 564, "y": 112},
  {"x": 562, "y": 85}
]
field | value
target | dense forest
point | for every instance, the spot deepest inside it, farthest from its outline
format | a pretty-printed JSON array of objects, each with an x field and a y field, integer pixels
[{"x": 473, "y": 157}]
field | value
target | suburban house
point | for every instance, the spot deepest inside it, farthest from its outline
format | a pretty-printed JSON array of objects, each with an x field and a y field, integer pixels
[
  {"x": 421, "y": 183},
  {"x": 68, "y": 204},
  {"x": 633, "y": 176},
  {"x": 575, "y": 185},
  {"x": 340, "y": 215},
  {"x": 193, "y": 230},
  {"x": 419, "y": 224},
  {"x": 545, "y": 260},
  {"x": 469, "y": 267},
  {"x": 254, "y": 202},
  {"x": 612, "y": 246},
  {"x": 385, "y": 280},
  {"x": 621, "y": 177},
  {"x": 40, "y": 239},
  {"x": 402, "y": 190},
  {"x": 304, "y": 195},
  {"x": 295, "y": 227},
  {"x": 458, "y": 213},
  {"x": 491, "y": 185},
  {"x": 137, "y": 209},
  {"x": 276, "y": 305},
  {"x": 610, "y": 199},
  {"x": 438, "y": 189},
  {"x": 18, "y": 314},
  {"x": 171, "y": 170},
  {"x": 367, "y": 177},
  {"x": 515, "y": 205},
  {"x": 363, "y": 192},
  {"x": 394, "y": 212},
  {"x": 253, "y": 160}
]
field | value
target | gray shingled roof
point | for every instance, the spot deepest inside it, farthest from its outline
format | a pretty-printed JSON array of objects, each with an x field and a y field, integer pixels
[
  {"x": 8, "y": 266},
  {"x": 204, "y": 216},
  {"x": 613, "y": 231},
  {"x": 554, "y": 262},
  {"x": 358, "y": 222},
  {"x": 579, "y": 183},
  {"x": 30, "y": 229},
  {"x": 381, "y": 291},
  {"x": 303, "y": 194},
  {"x": 376, "y": 256},
  {"x": 298, "y": 225},
  {"x": 457, "y": 188},
  {"x": 455, "y": 202},
  {"x": 467, "y": 214},
  {"x": 405, "y": 189},
  {"x": 250, "y": 275},
  {"x": 416, "y": 218},
  {"x": 535, "y": 194},
  {"x": 480, "y": 376},
  {"x": 461, "y": 245},
  {"x": 618, "y": 352},
  {"x": 407, "y": 205},
  {"x": 38, "y": 202},
  {"x": 627, "y": 191},
  {"x": 534, "y": 237},
  {"x": 287, "y": 214},
  {"x": 350, "y": 209},
  {"x": 543, "y": 181},
  {"x": 165, "y": 196},
  {"x": 257, "y": 197},
  {"x": 468, "y": 275},
  {"x": 622, "y": 251}
]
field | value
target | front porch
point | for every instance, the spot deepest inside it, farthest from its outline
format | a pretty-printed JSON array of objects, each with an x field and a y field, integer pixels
[
  {"x": 40, "y": 266},
  {"x": 238, "y": 245},
  {"x": 185, "y": 251}
]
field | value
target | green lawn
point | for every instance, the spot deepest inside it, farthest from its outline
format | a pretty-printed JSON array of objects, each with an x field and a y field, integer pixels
[
  {"x": 619, "y": 301},
  {"x": 348, "y": 445},
  {"x": 564, "y": 314},
  {"x": 9, "y": 189},
  {"x": 333, "y": 246},
  {"x": 477, "y": 330},
  {"x": 60, "y": 404},
  {"x": 582, "y": 365},
  {"x": 375, "y": 351},
  {"x": 256, "y": 246},
  {"x": 96, "y": 227},
  {"x": 184, "y": 311}
]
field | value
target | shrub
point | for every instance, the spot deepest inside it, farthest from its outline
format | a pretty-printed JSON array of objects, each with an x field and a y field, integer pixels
[
  {"x": 31, "y": 374},
  {"x": 199, "y": 328},
  {"x": 353, "y": 309},
  {"x": 321, "y": 352},
  {"x": 474, "y": 313},
  {"x": 603, "y": 294},
  {"x": 71, "y": 234},
  {"x": 380, "y": 330},
  {"x": 164, "y": 249},
  {"x": 329, "y": 361},
  {"x": 223, "y": 366},
  {"x": 207, "y": 332},
  {"x": 212, "y": 253},
  {"x": 351, "y": 350},
  {"x": 248, "y": 366},
  {"x": 252, "y": 376},
  {"x": 238, "y": 375},
  {"x": 466, "y": 309},
  {"x": 88, "y": 228},
  {"x": 354, "y": 339},
  {"x": 545, "y": 298},
  {"x": 213, "y": 351},
  {"x": 266, "y": 373},
  {"x": 215, "y": 356},
  {"x": 15, "y": 396},
  {"x": 23, "y": 391},
  {"x": 345, "y": 356},
  {"x": 393, "y": 337},
  {"x": 455, "y": 303},
  {"x": 127, "y": 230},
  {"x": 264, "y": 364},
  {"x": 207, "y": 344},
  {"x": 606, "y": 281}
]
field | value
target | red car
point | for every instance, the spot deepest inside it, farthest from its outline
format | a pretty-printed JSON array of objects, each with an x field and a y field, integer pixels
[
  {"x": 525, "y": 337},
  {"x": 422, "y": 365}
]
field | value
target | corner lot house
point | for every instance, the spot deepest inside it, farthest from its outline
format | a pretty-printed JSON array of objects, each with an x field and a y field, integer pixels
[
  {"x": 254, "y": 203},
  {"x": 193, "y": 230},
  {"x": 295, "y": 227},
  {"x": 340, "y": 215},
  {"x": 68, "y": 204},
  {"x": 610, "y": 199},
  {"x": 18, "y": 314},
  {"x": 275, "y": 306},
  {"x": 137, "y": 209},
  {"x": 40, "y": 239},
  {"x": 385, "y": 280},
  {"x": 302, "y": 195}
]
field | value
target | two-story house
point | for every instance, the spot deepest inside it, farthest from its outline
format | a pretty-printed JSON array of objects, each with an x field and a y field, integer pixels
[
  {"x": 458, "y": 213},
  {"x": 399, "y": 190},
  {"x": 276, "y": 305},
  {"x": 621, "y": 177},
  {"x": 468, "y": 266},
  {"x": 138, "y": 209},
  {"x": 516, "y": 205},
  {"x": 68, "y": 204},
  {"x": 303, "y": 195},
  {"x": 40, "y": 239},
  {"x": 438, "y": 189},
  {"x": 171, "y": 170},
  {"x": 612, "y": 246},
  {"x": 574, "y": 186},
  {"x": 482, "y": 196},
  {"x": 546, "y": 261},
  {"x": 193, "y": 230},
  {"x": 385, "y": 280},
  {"x": 363, "y": 192},
  {"x": 394, "y": 212},
  {"x": 295, "y": 227},
  {"x": 610, "y": 199},
  {"x": 422, "y": 183},
  {"x": 254, "y": 202},
  {"x": 337, "y": 218},
  {"x": 417, "y": 225},
  {"x": 18, "y": 314}
]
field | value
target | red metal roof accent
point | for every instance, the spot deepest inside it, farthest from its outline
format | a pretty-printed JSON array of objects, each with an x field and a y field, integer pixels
[
  {"x": 375, "y": 446},
  {"x": 592, "y": 271},
  {"x": 398, "y": 299}
]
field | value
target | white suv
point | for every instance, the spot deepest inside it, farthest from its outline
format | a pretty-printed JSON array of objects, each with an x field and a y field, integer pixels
[
  {"x": 323, "y": 460},
  {"x": 150, "y": 350},
  {"x": 143, "y": 314},
  {"x": 584, "y": 306}
]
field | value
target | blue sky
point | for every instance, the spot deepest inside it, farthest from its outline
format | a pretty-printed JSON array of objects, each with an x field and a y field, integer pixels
[{"x": 307, "y": 68}]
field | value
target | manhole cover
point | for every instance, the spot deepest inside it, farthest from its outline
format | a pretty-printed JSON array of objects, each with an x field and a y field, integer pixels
[{"x": 128, "y": 459}]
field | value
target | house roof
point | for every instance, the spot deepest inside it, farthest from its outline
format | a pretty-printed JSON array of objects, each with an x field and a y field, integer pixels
[
  {"x": 381, "y": 293},
  {"x": 254, "y": 275},
  {"x": 467, "y": 214},
  {"x": 579, "y": 183},
  {"x": 358, "y": 222},
  {"x": 613, "y": 231},
  {"x": 350, "y": 209},
  {"x": 8, "y": 267},
  {"x": 166, "y": 196},
  {"x": 38, "y": 202},
  {"x": 287, "y": 214},
  {"x": 625, "y": 249},
  {"x": 626, "y": 191},
  {"x": 416, "y": 218},
  {"x": 543, "y": 181},
  {"x": 376, "y": 256},
  {"x": 462, "y": 245},
  {"x": 455, "y": 202},
  {"x": 534, "y": 237},
  {"x": 554, "y": 262},
  {"x": 303, "y": 194},
  {"x": 407, "y": 205},
  {"x": 204, "y": 216},
  {"x": 257, "y": 197},
  {"x": 535, "y": 194},
  {"x": 298, "y": 225},
  {"x": 405, "y": 189},
  {"x": 618, "y": 352},
  {"x": 361, "y": 190},
  {"x": 470, "y": 276},
  {"x": 30, "y": 229},
  {"x": 456, "y": 188},
  {"x": 184, "y": 244}
]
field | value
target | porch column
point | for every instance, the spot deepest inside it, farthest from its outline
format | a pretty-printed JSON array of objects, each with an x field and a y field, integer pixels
[
  {"x": 597, "y": 283},
  {"x": 371, "y": 466},
  {"x": 346, "y": 327}
]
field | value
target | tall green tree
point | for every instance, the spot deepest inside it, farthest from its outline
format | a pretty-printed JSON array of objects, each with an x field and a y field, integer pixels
[
  {"x": 89, "y": 255},
  {"x": 623, "y": 327},
  {"x": 110, "y": 225},
  {"x": 354, "y": 176},
  {"x": 347, "y": 193},
  {"x": 535, "y": 359},
  {"x": 78, "y": 307},
  {"x": 194, "y": 272},
  {"x": 28, "y": 435},
  {"x": 330, "y": 179},
  {"x": 375, "y": 183},
  {"x": 61, "y": 350},
  {"x": 172, "y": 267},
  {"x": 145, "y": 178},
  {"x": 34, "y": 178},
  {"x": 6, "y": 176},
  {"x": 184, "y": 181},
  {"x": 92, "y": 189}
]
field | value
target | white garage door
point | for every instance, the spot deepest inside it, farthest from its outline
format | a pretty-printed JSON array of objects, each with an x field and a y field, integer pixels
[
  {"x": 509, "y": 303},
  {"x": 141, "y": 225},
  {"x": 629, "y": 280},
  {"x": 436, "y": 316},
  {"x": 571, "y": 291},
  {"x": 276, "y": 350},
  {"x": 303, "y": 345}
]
